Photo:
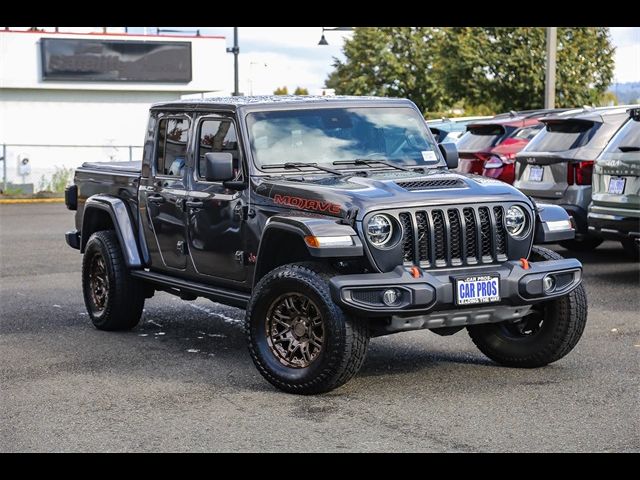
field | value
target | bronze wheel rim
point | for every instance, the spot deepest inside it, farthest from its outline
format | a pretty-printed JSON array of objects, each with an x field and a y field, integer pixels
[
  {"x": 295, "y": 330},
  {"x": 98, "y": 283}
]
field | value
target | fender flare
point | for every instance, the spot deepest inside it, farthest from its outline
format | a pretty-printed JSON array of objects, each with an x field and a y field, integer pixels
[
  {"x": 122, "y": 222},
  {"x": 553, "y": 224}
]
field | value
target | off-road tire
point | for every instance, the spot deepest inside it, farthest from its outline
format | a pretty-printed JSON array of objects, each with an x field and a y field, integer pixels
[
  {"x": 125, "y": 295},
  {"x": 562, "y": 327},
  {"x": 586, "y": 244},
  {"x": 345, "y": 337},
  {"x": 631, "y": 248}
]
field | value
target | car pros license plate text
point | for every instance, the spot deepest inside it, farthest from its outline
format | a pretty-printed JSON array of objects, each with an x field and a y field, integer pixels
[{"x": 480, "y": 289}]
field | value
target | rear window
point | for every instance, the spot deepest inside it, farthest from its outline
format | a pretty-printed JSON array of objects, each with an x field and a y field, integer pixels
[
  {"x": 563, "y": 135},
  {"x": 627, "y": 139},
  {"x": 527, "y": 133},
  {"x": 481, "y": 137}
]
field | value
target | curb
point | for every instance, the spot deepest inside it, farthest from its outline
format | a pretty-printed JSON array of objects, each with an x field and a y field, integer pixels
[{"x": 6, "y": 201}]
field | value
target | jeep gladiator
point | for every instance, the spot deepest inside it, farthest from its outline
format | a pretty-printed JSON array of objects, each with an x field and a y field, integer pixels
[{"x": 331, "y": 220}]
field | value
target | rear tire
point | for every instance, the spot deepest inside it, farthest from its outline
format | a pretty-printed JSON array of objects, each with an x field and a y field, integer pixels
[
  {"x": 586, "y": 244},
  {"x": 545, "y": 335},
  {"x": 113, "y": 298},
  {"x": 299, "y": 339}
]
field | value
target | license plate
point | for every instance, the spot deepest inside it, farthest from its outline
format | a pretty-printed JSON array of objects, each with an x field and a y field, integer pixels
[
  {"x": 535, "y": 174},
  {"x": 480, "y": 289},
  {"x": 616, "y": 185}
]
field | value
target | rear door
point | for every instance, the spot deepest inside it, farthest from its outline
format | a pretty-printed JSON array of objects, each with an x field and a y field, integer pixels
[
  {"x": 162, "y": 194},
  {"x": 543, "y": 165}
]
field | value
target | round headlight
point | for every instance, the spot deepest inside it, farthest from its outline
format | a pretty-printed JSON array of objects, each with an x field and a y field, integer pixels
[
  {"x": 379, "y": 230},
  {"x": 515, "y": 220}
]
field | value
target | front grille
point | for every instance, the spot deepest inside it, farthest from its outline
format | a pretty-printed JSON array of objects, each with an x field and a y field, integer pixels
[
  {"x": 441, "y": 237},
  {"x": 433, "y": 183}
]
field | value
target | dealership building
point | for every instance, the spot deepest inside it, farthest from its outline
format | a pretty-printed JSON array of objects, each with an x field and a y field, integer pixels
[{"x": 72, "y": 96}]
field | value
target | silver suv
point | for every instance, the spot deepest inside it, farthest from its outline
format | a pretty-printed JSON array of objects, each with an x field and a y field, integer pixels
[{"x": 557, "y": 165}]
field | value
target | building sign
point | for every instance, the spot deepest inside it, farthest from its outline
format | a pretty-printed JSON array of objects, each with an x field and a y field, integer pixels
[{"x": 115, "y": 60}]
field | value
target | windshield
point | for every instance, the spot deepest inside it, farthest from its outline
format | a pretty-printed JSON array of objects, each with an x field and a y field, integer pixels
[
  {"x": 480, "y": 137},
  {"x": 327, "y": 135},
  {"x": 558, "y": 136}
]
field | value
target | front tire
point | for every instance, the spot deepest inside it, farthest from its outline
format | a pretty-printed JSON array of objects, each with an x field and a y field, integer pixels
[
  {"x": 299, "y": 339},
  {"x": 113, "y": 298},
  {"x": 631, "y": 248},
  {"x": 549, "y": 332},
  {"x": 585, "y": 244}
]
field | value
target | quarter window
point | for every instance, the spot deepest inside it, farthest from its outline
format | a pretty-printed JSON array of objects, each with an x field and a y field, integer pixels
[{"x": 171, "y": 150}]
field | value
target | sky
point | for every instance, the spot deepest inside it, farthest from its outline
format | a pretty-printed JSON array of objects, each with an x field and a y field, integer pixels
[{"x": 271, "y": 57}]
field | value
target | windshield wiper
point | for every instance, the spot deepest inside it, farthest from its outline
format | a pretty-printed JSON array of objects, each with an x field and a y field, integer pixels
[
  {"x": 629, "y": 148},
  {"x": 366, "y": 161},
  {"x": 300, "y": 165}
]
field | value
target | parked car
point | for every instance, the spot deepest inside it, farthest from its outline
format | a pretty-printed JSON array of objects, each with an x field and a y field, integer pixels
[
  {"x": 489, "y": 146},
  {"x": 614, "y": 212},
  {"x": 557, "y": 165},
  {"x": 451, "y": 129},
  {"x": 330, "y": 220}
]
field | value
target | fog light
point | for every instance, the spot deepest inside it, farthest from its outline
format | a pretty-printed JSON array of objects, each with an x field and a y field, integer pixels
[
  {"x": 390, "y": 297},
  {"x": 549, "y": 284}
]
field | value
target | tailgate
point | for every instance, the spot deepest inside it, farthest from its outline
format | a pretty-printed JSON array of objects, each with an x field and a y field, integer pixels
[{"x": 541, "y": 174}]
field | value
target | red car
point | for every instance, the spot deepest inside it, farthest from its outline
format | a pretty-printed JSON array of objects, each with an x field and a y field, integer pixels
[{"x": 489, "y": 146}]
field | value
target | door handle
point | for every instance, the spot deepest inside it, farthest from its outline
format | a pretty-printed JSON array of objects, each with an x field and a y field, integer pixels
[
  {"x": 156, "y": 199},
  {"x": 194, "y": 204}
]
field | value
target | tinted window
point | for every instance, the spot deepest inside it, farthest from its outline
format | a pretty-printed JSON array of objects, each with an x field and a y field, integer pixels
[
  {"x": 563, "y": 135},
  {"x": 326, "y": 135},
  {"x": 480, "y": 137},
  {"x": 627, "y": 139},
  {"x": 217, "y": 136},
  {"x": 527, "y": 133},
  {"x": 171, "y": 150}
]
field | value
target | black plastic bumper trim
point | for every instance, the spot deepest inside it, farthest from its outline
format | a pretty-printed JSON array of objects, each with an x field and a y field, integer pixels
[{"x": 73, "y": 239}]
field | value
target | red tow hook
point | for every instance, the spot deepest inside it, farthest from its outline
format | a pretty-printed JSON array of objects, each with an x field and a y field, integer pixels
[
  {"x": 415, "y": 272},
  {"x": 524, "y": 263}
]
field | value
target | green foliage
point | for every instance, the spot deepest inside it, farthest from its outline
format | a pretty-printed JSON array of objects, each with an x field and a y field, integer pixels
[
  {"x": 60, "y": 179},
  {"x": 301, "y": 91},
  {"x": 13, "y": 190},
  {"x": 281, "y": 91},
  {"x": 607, "y": 99},
  {"x": 486, "y": 69}
]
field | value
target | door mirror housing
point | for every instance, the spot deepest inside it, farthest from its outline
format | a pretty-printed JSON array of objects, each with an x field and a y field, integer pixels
[
  {"x": 218, "y": 166},
  {"x": 450, "y": 153}
]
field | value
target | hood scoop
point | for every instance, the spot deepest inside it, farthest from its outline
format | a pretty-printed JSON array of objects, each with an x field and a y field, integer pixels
[{"x": 432, "y": 183}]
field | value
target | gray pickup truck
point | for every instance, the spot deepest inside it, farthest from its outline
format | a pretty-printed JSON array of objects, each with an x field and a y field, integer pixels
[{"x": 331, "y": 221}]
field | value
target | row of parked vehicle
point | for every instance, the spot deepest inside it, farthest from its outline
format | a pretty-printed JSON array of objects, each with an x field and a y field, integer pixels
[{"x": 586, "y": 160}]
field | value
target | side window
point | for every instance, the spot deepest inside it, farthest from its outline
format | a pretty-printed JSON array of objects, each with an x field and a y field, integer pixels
[
  {"x": 218, "y": 135},
  {"x": 171, "y": 150}
]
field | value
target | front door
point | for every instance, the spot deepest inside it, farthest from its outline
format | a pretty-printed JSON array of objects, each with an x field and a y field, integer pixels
[
  {"x": 163, "y": 195},
  {"x": 215, "y": 224}
]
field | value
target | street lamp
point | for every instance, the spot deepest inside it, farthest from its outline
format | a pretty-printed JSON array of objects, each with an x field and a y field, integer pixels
[
  {"x": 236, "y": 51},
  {"x": 323, "y": 40}
]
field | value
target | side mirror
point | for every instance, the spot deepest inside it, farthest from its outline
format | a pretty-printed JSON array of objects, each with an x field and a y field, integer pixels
[
  {"x": 218, "y": 166},
  {"x": 450, "y": 153}
]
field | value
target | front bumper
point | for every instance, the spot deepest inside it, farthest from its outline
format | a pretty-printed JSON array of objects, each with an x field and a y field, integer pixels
[
  {"x": 613, "y": 223},
  {"x": 433, "y": 291},
  {"x": 73, "y": 239}
]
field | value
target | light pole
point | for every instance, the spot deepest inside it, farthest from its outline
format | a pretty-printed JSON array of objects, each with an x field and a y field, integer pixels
[
  {"x": 323, "y": 40},
  {"x": 236, "y": 51},
  {"x": 550, "y": 76}
]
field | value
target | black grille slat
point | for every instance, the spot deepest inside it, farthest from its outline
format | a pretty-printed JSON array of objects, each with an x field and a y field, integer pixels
[
  {"x": 438, "y": 227},
  {"x": 433, "y": 183},
  {"x": 407, "y": 237},
  {"x": 423, "y": 238},
  {"x": 471, "y": 233},
  {"x": 440, "y": 237},
  {"x": 501, "y": 233},
  {"x": 485, "y": 231},
  {"x": 455, "y": 237}
]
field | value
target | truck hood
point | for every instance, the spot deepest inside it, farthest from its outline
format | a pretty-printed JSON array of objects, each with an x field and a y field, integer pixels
[{"x": 353, "y": 195}]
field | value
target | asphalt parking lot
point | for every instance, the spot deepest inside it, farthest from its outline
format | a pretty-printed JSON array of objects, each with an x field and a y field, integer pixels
[{"x": 183, "y": 380}]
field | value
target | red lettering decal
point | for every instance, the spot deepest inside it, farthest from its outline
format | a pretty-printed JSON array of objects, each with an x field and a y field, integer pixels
[{"x": 307, "y": 204}]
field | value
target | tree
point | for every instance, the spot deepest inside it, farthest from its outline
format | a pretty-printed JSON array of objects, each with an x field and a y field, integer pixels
[
  {"x": 390, "y": 62},
  {"x": 482, "y": 68},
  {"x": 504, "y": 67},
  {"x": 301, "y": 91},
  {"x": 281, "y": 91}
]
